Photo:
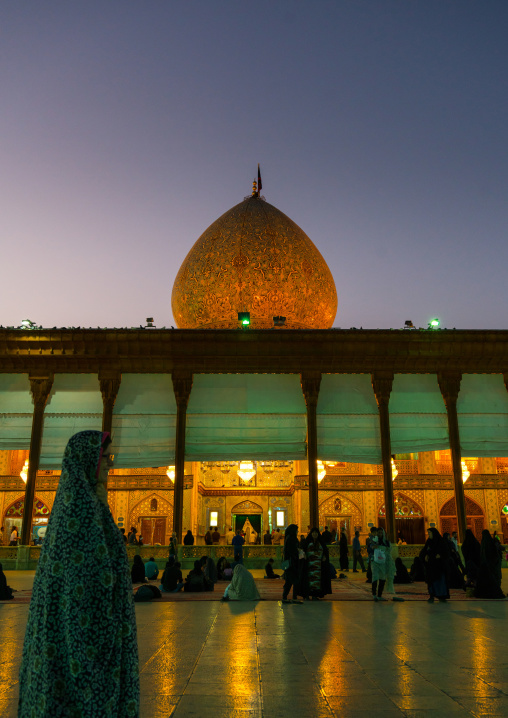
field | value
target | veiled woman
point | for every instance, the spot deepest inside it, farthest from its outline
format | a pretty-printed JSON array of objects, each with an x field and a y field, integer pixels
[
  {"x": 471, "y": 551},
  {"x": 383, "y": 566},
  {"x": 242, "y": 586},
  {"x": 488, "y": 584},
  {"x": 317, "y": 581},
  {"x": 435, "y": 556},
  {"x": 80, "y": 656},
  {"x": 343, "y": 551}
]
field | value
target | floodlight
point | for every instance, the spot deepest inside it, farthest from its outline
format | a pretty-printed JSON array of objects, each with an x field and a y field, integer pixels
[
  {"x": 244, "y": 318},
  {"x": 434, "y": 323}
]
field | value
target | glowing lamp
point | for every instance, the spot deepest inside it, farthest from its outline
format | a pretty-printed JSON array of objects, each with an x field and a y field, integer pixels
[
  {"x": 246, "y": 470},
  {"x": 24, "y": 471},
  {"x": 465, "y": 472},
  {"x": 170, "y": 473},
  {"x": 321, "y": 471},
  {"x": 434, "y": 323},
  {"x": 244, "y": 318},
  {"x": 395, "y": 473}
]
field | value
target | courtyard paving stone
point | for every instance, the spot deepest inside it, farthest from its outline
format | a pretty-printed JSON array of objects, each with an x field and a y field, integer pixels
[{"x": 262, "y": 660}]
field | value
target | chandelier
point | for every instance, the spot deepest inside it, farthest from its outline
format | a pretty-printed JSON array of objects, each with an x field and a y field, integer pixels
[
  {"x": 24, "y": 471},
  {"x": 395, "y": 473},
  {"x": 170, "y": 473},
  {"x": 465, "y": 471},
  {"x": 246, "y": 470},
  {"x": 321, "y": 471}
]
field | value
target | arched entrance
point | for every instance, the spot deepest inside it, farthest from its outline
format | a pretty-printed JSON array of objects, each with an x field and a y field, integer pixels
[
  {"x": 409, "y": 519},
  {"x": 475, "y": 517},
  {"x": 247, "y": 510},
  {"x": 14, "y": 517},
  {"x": 338, "y": 512},
  {"x": 153, "y": 519}
]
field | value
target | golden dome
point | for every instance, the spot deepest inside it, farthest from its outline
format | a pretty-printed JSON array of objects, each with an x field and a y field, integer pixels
[{"x": 254, "y": 259}]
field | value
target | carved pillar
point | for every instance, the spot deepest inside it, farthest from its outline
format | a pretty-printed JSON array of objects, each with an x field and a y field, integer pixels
[
  {"x": 110, "y": 384},
  {"x": 311, "y": 381},
  {"x": 382, "y": 385},
  {"x": 449, "y": 384},
  {"x": 40, "y": 387},
  {"x": 182, "y": 385}
]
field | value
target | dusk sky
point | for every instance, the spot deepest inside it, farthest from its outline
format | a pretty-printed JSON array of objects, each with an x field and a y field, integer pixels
[{"x": 128, "y": 127}]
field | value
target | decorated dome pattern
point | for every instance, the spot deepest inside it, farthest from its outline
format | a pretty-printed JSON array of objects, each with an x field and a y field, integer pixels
[{"x": 254, "y": 259}]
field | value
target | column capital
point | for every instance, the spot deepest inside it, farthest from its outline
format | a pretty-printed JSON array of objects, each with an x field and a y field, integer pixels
[
  {"x": 311, "y": 382},
  {"x": 182, "y": 385},
  {"x": 382, "y": 382},
  {"x": 110, "y": 384},
  {"x": 449, "y": 384},
  {"x": 40, "y": 388}
]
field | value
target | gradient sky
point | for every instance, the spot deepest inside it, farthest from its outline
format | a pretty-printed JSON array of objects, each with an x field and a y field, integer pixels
[{"x": 128, "y": 127}]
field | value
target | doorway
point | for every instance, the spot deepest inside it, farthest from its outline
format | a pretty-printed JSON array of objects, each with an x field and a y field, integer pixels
[
  {"x": 240, "y": 519},
  {"x": 337, "y": 523},
  {"x": 153, "y": 529}
]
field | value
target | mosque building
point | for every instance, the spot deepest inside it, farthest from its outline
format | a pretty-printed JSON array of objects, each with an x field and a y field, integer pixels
[{"x": 256, "y": 410}]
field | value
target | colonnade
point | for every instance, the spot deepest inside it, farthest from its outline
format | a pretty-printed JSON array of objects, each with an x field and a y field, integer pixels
[{"x": 109, "y": 382}]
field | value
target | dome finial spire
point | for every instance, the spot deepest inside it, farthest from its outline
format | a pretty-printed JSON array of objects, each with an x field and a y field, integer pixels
[{"x": 254, "y": 189}]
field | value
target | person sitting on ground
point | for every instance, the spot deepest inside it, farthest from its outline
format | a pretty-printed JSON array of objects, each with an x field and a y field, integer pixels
[
  {"x": 402, "y": 575},
  {"x": 242, "y": 586},
  {"x": 151, "y": 569},
  {"x": 188, "y": 539},
  {"x": 208, "y": 537},
  {"x": 210, "y": 571},
  {"x": 270, "y": 573},
  {"x": 172, "y": 579},
  {"x": 215, "y": 536},
  {"x": 222, "y": 565},
  {"x": 196, "y": 580},
  {"x": 5, "y": 590},
  {"x": 138, "y": 570},
  {"x": 417, "y": 570}
]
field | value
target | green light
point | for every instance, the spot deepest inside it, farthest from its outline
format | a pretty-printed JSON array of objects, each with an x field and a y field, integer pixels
[
  {"x": 434, "y": 323},
  {"x": 244, "y": 318},
  {"x": 245, "y": 321}
]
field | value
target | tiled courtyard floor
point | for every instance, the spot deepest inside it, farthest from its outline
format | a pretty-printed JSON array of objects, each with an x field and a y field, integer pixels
[{"x": 233, "y": 660}]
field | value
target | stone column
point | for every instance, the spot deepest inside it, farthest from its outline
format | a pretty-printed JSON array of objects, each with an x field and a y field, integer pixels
[
  {"x": 311, "y": 381},
  {"x": 40, "y": 387},
  {"x": 382, "y": 385},
  {"x": 110, "y": 384},
  {"x": 182, "y": 385},
  {"x": 449, "y": 384}
]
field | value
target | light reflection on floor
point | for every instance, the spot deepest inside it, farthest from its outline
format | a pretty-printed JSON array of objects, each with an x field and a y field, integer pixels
[{"x": 318, "y": 659}]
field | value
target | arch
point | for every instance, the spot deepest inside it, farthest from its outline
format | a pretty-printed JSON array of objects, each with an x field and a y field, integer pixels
[
  {"x": 162, "y": 518},
  {"x": 475, "y": 516},
  {"x": 17, "y": 508},
  {"x": 247, "y": 507},
  {"x": 346, "y": 507},
  {"x": 405, "y": 507}
]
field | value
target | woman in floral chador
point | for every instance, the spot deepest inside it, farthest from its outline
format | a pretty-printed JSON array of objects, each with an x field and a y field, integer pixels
[{"x": 80, "y": 656}]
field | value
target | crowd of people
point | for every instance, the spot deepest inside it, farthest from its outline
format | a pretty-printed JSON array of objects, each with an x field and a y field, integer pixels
[{"x": 80, "y": 650}]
